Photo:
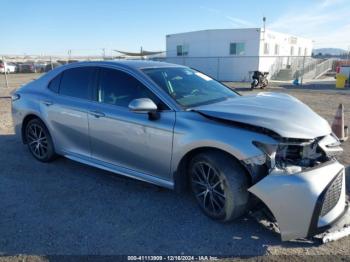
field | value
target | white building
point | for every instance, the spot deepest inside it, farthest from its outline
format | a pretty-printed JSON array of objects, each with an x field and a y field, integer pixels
[{"x": 231, "y": 54}]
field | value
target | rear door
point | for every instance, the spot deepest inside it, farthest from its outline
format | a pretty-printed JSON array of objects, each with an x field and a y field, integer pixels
[{"x": 67, "y": 112}]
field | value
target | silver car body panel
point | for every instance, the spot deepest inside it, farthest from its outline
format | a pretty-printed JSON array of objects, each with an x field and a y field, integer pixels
[
  {"x": 68, "y": 117},
  {"x": 132, "y": 136},
  {"x": 281, "y": 113},
  {"x": 120, "y": 170},
  {"x": 192, "y": 131},
  {"x": 292, "y": 198},
  {"x": 130, "y": 144}
]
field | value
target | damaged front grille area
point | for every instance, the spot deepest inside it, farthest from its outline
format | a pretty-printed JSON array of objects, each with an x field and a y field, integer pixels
[{"x": 332, "y": 195}]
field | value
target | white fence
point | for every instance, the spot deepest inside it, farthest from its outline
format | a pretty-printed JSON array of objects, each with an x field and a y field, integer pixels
[{"x": 239, "y": 68}]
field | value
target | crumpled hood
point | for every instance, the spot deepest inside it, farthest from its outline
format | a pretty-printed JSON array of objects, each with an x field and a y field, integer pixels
[{"x": 281, "y": 113}]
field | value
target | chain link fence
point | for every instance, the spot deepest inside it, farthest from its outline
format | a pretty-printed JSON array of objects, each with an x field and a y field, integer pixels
[
  {"x": 240, "y": 68},
  {"x": 229, "y": 68}
]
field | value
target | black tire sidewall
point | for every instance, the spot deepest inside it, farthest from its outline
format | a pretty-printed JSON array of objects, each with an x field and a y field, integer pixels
[
  {"x": 50, "y": 146},
  {"x": 235, "y": 184}
]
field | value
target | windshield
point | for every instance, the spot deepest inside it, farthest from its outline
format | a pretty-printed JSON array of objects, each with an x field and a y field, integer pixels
[{"x": 188, "y": 87}]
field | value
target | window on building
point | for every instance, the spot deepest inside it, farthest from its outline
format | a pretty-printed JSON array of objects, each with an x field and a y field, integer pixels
[
  {"x": 75, "y": 82},
  {"x": 182, "y": 50},
  {"x": 277, "y": 49},
  {"x": 237, "y": 48},
  {"x": 266, "y": 49},
  {"x": 292, "y": 50}
]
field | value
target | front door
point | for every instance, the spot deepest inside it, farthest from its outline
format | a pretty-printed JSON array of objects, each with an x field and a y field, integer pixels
[{"x": 125, "y": 138}]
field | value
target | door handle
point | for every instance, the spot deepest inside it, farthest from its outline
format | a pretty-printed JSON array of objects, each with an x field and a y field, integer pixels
[
  {"x": 47, "y": 103},
  {"x": 97, "y": 114}
]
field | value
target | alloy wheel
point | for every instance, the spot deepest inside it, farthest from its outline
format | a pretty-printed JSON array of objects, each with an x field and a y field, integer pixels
[
  {"x": 37, "y": 141},
  {"x": 208, "y": 188}
]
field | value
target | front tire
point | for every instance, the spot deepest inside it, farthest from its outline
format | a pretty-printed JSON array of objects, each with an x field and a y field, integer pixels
[
  {"x": 39, "y": 141},
  {"x": 219, "y": 184}
]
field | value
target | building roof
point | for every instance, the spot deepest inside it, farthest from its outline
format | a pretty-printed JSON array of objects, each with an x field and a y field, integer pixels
[
  {"x": 218, "y": 29},
  {"x": 257, "y": 29}
]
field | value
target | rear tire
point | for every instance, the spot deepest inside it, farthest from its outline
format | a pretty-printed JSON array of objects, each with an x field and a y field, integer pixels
[
  {"x": 219, "y": 184},
  {"x": 39, "y": 141}
]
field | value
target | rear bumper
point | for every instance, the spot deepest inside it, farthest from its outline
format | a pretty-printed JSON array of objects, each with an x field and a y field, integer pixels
[{"x": 306, "y": 203}]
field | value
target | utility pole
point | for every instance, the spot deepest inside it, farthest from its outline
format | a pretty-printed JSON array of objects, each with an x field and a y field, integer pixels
[
  {"x": 69, "y": 54},
  {"x": 5, "y": 73},
  {"x": 51, "y": 62},
  {"x": 104, "y": 53},
  {"x": 264, "y": 26},
  {"x": 141, "y": 52},
  {"x": 302, "y": 73}
]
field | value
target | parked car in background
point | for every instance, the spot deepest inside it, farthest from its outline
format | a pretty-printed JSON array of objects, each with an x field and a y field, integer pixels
[
  {"x": 28, "y": 67},
  {"x": 18, "y": 65},
  {"x": 175, "y": 127},
  {"x": 7, "y": 67},
  {"x": 40, "y": 67},
  {"x": 51, "y": 66}
]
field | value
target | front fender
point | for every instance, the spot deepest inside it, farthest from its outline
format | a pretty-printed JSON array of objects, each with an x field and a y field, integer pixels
[{"x": 193, "y": 131}]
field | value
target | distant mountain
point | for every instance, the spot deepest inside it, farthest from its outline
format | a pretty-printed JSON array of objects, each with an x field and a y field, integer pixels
[{"x": 329, "y": 51}]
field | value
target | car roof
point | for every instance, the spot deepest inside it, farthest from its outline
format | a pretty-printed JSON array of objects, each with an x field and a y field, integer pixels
[{"x": 135, "y": 64}]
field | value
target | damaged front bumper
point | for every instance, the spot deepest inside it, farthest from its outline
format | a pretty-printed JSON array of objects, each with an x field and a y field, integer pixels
[
  {"x": 338, "y": 229},
  {"x": 306, "y": 203}
]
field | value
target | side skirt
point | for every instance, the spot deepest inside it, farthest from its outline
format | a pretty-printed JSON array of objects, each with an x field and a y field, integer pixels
[{"x": 120, "y": 170}]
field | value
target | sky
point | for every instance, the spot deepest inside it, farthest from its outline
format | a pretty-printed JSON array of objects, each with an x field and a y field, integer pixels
[{"x": 86, "y": 26}]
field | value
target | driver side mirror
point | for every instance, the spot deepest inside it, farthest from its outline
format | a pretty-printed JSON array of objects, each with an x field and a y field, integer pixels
[{"x": 144, "y": 105}]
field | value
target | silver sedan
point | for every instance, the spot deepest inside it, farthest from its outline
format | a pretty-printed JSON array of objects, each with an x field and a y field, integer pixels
[{"x": 178, "y": 128}]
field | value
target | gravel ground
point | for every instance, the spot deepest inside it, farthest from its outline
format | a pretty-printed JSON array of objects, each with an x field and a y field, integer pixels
[{"x": 68, "y": 208}]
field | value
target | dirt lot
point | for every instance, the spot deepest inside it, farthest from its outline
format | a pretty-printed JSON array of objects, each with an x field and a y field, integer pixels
[{"x": 68, "y": 208}]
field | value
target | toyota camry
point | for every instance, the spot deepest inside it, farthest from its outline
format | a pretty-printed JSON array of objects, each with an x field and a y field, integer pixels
[{"x": 178, "y": 128}]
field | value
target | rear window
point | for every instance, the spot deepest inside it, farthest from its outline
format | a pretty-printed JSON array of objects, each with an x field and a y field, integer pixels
[
  {"x": 75, "y": 82},
  {"x": 54, "y": 84}
]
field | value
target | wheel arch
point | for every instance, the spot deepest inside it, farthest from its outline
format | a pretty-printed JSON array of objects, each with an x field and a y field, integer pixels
[{"x": 180, "y": 174}]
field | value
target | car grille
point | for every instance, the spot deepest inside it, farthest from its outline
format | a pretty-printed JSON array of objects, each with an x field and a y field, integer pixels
[{"x": 332, "y": 195}]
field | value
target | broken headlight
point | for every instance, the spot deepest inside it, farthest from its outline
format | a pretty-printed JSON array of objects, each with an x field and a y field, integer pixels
[{"x": 294, "y": 153}]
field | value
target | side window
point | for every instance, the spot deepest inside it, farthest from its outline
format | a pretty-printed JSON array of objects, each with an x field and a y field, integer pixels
[
  {"x": 119, "y": 88},
  {"x": 75, "y": 82},
  {"x": 54, "y": 84},
  {"x": 266, "y": 49},
  {"x": 182, "y": 50}
]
